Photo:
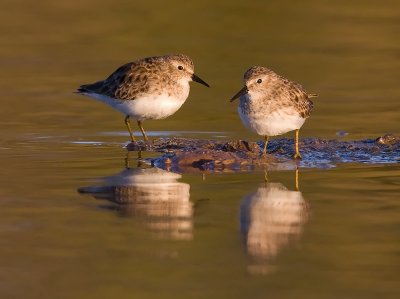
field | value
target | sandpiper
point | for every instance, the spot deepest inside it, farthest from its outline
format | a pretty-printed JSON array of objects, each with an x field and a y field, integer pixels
[
  {"x": 149, "y": 88},
  {"x": 271, "y": 105}
]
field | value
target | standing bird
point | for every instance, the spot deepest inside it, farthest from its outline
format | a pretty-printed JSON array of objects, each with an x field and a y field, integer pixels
[
  {"x": 149, "y": 88},
  {"x": 271, "y": 105}
]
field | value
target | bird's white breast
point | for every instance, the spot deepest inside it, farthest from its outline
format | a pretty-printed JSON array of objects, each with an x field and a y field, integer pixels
[
  {"x": 266, "y": 121},
  {"x": 277, "y": 123},
  {"x": 151, "y": 106}
]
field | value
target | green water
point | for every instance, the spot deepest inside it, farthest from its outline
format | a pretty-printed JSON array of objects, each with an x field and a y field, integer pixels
[{"x": 339, "y": 236}]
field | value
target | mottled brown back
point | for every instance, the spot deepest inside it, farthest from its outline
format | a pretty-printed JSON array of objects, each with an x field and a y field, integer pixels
[
  {"x": 298, "y": 96},
  {"x": 278, "y": 91},
  {"x": 137, "y": 78}
]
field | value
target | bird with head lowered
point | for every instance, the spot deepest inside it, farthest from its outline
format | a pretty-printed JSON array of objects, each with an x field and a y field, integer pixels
[{"x": 271, "y": 105}]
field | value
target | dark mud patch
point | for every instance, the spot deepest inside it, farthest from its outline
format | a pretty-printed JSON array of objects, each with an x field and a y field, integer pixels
[{"x": 185, "y": 154}]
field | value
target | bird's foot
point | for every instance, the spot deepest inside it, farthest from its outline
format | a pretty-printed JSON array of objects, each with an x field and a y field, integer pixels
[
  {"x": 136, "y": 146},
  {"x": 297, "y": 156},
  {"x": 149, "y": 144}
]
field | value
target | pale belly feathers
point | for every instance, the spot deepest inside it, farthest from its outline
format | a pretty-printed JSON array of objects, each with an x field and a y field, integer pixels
[
  {"x": 276, "y": 123},
  {"x": 147, "y": 107}
]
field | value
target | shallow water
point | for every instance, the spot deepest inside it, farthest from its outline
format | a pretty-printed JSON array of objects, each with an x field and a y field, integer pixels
[
  {"x": 213, "y": 235},
  {"x": 194, "y": 235}
]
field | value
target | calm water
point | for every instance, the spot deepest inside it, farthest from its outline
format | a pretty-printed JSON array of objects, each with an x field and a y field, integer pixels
[{"x": 225, "y": 235}]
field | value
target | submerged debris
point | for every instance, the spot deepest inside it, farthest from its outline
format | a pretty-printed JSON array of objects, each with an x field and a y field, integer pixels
[
  {"x": 388, "y": 139},
  {"x": 186, "y": 154}
]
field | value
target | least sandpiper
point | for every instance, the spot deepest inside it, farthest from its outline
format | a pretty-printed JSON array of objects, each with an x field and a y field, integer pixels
[
  {"x": 271, "y": 105},
  {"x": 149, "y": 88}
]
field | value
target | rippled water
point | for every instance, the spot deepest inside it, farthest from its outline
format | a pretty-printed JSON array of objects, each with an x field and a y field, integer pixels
[{"x": 76, "y": 223}]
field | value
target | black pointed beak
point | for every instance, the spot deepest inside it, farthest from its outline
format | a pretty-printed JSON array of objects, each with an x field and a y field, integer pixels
[
  {"x": 241, "y": 92},
  {"x": 198, "y": 80}
]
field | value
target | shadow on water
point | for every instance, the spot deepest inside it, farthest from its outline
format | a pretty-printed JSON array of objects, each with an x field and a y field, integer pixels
[
  {"x": 153, "y": 195},
  {"x": 270, "y": 219}
]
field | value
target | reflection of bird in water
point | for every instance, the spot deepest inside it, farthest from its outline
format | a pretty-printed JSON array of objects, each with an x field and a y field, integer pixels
[
  {"x": 269, "y": 219},
  {"x": 152, "y": 193}
]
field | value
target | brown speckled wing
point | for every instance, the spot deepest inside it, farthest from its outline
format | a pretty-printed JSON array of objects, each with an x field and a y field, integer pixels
[
  {"x": 305, "y": 107},
  {"x": 128, "y": 81},
  {"x": 299, "y": 97}
]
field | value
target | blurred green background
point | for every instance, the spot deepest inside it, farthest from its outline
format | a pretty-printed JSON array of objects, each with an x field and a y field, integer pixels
[{"x": 347, "y": 52}]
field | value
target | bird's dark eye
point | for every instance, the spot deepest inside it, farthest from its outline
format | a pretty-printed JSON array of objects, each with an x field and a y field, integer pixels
[
  {"x": 259, "y": 81},
  {"x": 180, "y": 67}
]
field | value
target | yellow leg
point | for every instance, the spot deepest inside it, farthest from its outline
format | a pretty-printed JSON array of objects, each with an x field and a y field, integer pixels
[
  {"x": 142, "y": 130},
  {"x": 297, "y": 154},
  {"x": 266, "y": 138},
  {"x": 265, "y": 176},
  {"x": 127, "y": 160},
  {"x": 128, "y": 125},
  {"x": 140, "y": 160},
  {"x": 297, "y": 179}
]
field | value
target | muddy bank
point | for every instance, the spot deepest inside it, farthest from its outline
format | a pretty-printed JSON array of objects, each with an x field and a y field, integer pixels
[{"x": 185, "y": 154}]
